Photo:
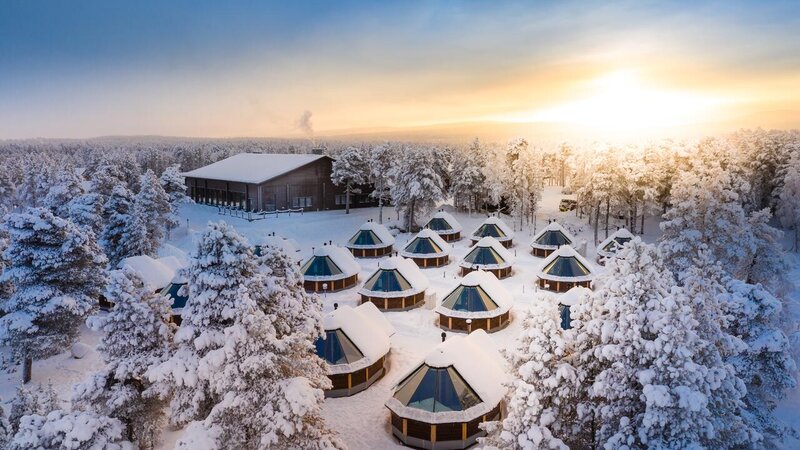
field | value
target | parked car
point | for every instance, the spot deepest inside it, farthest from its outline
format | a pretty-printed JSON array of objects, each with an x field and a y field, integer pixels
[{"x": 567, "y": 205}]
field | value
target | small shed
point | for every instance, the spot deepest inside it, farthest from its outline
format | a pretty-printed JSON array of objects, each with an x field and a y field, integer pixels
[
  {"x": 550, "y": 238},
  {"x": 397, "y": 285},
  {"x": 489, "y": 255},
  {"x": 156, "y": 274},
  {"x": 479, "y": 302},
  {"x": 445, "y": 225},
  {"x": 329, "y": 269},
  {"x": 355, "y": 348},
  {"x": 441, "y": 402},
  {"x": 564, "y": 269},
  {"x": 612, "y": 244},
  {"x": 496, "y": 228},
  {"x": 372, "y": 240},
  {"x": 428, "y": 249}
]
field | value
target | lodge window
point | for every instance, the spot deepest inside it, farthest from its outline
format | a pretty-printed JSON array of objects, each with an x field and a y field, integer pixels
[
  {"x": 341, "y": 199},
  {"x": 301, "y": 202}
]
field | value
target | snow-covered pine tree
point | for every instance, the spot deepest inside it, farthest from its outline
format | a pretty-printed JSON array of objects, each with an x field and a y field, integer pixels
[
  {"x": 7, "y": 286},
  {"x": 87, "y": 211},
  {"x": 788, "y": 204},
  {"x": 767, "y": 264},
  {"x": 380, "y": 161},
  {"x": 175, "y": 186},
  {"x": 526, "y": 182},
  {"x": 350, "y": 169},
  {"x": 5, "y": 429},
  {"x": 8, "y": 191},
  {"x": 137, "y": 335},
  {"x": 124, "y": 233},
  {"x": 58, "y": 272},
  {"x": 104, "y": 178},
  {"x": 26, "y": 402},
  {"x": 67, "y": 186},
  {"x": 152, "y": 208},
  {"x": 77, "y": 430},
  {"x": 468, "y": 177},
  {"x": 541, "y": 411},
  {"x": 417, "y": 185}
]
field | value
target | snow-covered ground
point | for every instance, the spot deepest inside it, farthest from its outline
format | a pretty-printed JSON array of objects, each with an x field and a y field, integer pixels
[{"x": 362, "y": 420}]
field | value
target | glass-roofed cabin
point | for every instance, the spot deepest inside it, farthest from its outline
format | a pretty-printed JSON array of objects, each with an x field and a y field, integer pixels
[
  {"x": 564, "y": 269},
  {"x": 445, "y": 225},
  {"x": 442, "y": 401},
  {"x": 494, "y": 227},
  {"x": 330, "y": 269},
  {"x": 612, "y": 244},
  {"x": 478, "y": 302},
  {"x": 178, "y": 296},
  {"x": 396, "y": 285},
  {"x": 549, "y": 239},
  {"x": 372, "y": 240},
  {"x": 489, "y": 255},
  {"x": 427, "y": 249},
  {"x": 355, "y": 348}
]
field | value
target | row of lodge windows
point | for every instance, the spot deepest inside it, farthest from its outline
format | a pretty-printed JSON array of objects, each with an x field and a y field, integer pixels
[{"x": 232, "y": 199}]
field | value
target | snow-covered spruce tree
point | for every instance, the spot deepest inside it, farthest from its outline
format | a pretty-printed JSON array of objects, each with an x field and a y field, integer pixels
[
  {"x": 105, "y": 177},
  {"x": 5, "y": 429},
  {"x": 58, "y": 272},
  {"x": 226, "y": 373},
  {"x": 87, "y": 211},
  {"x": 380, "y": 161},
  {"x": 175, "y": 186},
  {"x": 767, "y": 263},
  {"x": 706, "y": 213},
  {"x": 124, "y": 233},
  {"x": 417, "y": 185},
  {"x": 40, "y": 401},
  {"x": 7, "y": 286},
  {"x": 152, "y": 208},
  {"x": 67, "y": 186},
  {"x": 77, "y": 430},
  {"x": 526, "y": 182},
  {"x": 788, "y": 204},
  {"x": 468, "y": 177},
  {"x": 8, "y": 191},
  {"x": 541, "y": 411},
  {"x": 137, "y": 335},
  {"x": 350, "y": 169}
]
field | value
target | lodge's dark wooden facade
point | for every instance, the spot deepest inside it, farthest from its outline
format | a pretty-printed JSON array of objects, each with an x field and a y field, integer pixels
[
  {"x": 499, "y": 273},
  {"x": 333, "y": 285},
  {"x": 441, "y": 436},
  {"x": 450, "y": 237},
  {"x": 371, "y": 252},
  {"x": 437, "y": 261},
  {"x": 395, "y": 303},
  {"x": 542, "y": 253},
  {"x": 308, "y": 187},
  {"x": 489, "y": 324},
  {"x": 347, "y": 384},
  {"x": 562, "y": 286}
]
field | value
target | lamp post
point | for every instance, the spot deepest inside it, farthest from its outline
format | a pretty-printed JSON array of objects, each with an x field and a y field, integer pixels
[
  {"x": 469, "y": 326},
  {"x": 324, "y": 291}
]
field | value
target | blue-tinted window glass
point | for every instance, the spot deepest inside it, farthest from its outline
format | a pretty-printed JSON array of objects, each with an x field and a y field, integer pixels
[{"x": 565, "y": 317}]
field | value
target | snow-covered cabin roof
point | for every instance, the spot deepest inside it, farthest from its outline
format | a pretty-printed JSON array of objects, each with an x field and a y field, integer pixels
[
  {"x": 254, "y": 168},
  {"x": 330, "y": 262},
  {"x": 551, "y": 237},
  {"x": 488, "y": 253},
  {"x": 371, "y": 235},
  {"x": 155, "y": 273},
  {"x": 611, "y": 244},
  {"x": 472, "y": 362},
  {"x": 365, "y": 327},
  {"x": 565, "y": 264},
  {"x": 395, "y": 277},
  {"x": 289, "y": 246},
  {"x": 478, "y": 295},
  {"x": 426, "y": 244},
  {"x": 443, "y": 222},
  {"x": 494, "y": 227},
  {"x": 573, "y": 296}
]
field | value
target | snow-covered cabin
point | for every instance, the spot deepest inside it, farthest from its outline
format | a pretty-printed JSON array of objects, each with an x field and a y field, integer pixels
[
  {"x": 564, "y": 269},
  {"x": 479, "y": 301},
  {"x": 177, "y": 296},
  {"x": 489, "y": 255},
  {"x": 355, "y": 348},
  {"x": 442, "y": 400},
  {"x": 445, "y": 225},
  {"x": 428, "y": 249},
  {"x": 329, "y": 269},
  {"x": 156, "y": 273},
  {"x": 396, "y": 285},
  {"x": 569, "y": 299},
  {"x": 612, "y": 244},
  {"x": 496, "y": 228},
  {"x": 372, "y": 240},
  {"x": 289, "y": 246},
  {"x": 549, "y": 238}
]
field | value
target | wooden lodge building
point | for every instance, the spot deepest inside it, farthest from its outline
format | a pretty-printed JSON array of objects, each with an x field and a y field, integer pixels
[{"x": 269, "y": 182}]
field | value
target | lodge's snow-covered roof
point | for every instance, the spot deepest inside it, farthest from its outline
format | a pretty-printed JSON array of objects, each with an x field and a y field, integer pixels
[
  {"x": 573, "y": 296},
  {"x": 476, "y": 359},
  {"x": 494, "y": 223},
  {"x": 156, "y": 273},
  {"x": 384, "y": 282},
  {"x": 363, "y": 237},
  {"x": 551, "y": 237},
  {"x": 253, "y": 167},
  {"x": 443, "y": 222},
  {"x": 366, "y": 327},
  {"x": 618, "y": 238},
  {"x": 565, "y": 264},
  {"x": 487, "y": 282},
  {"x": 491, "y": 249},
  {"x": 425, "y": 244},
  {"x": 344, "y": 264}
]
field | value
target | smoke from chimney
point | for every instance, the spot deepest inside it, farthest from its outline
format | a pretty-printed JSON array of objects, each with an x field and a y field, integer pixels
[{"x": 305, "y": 125}]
